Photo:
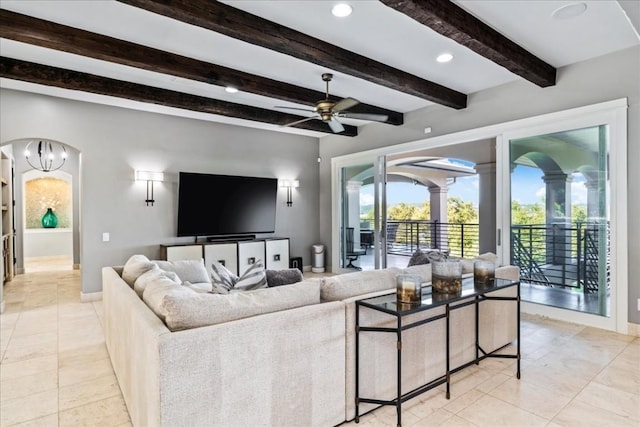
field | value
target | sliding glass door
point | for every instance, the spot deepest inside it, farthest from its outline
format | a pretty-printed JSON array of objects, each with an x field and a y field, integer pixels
[
  {"x": 361, "y": 217},
  {"x": 561, "y": 198}
]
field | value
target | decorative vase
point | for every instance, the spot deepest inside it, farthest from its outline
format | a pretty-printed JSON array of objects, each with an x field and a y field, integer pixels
[
  {"x": 49, "y": 219},
  {"x": 409, "y": 288}
]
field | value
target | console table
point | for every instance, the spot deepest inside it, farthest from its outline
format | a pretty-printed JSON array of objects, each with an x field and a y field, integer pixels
[{"x": 388, "y": 304}]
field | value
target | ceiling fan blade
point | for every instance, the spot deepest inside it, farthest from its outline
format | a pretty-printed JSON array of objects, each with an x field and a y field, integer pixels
[
  {"x": 335, "y": 125},
  {"x": 344, "y": 104},
  {"x": 301, "y": 120},
  {"x": 294, "y": 108},
  {"x": 365, "y": 116}
]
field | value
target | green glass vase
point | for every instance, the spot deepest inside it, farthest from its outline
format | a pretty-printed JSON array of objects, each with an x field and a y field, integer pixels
[{"x": 49, "y": 219}]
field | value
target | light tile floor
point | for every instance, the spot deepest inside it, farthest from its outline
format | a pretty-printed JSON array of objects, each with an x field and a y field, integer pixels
[{"x": 55, "y": 371}]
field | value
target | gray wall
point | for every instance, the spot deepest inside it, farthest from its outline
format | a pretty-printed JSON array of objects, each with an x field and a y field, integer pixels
[
  {"x": 115, "y": 141},
  {"x": 602, "y": 79}
]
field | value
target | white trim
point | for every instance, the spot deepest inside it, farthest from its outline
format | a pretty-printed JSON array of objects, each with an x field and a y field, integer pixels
[
  {"x": 614, "y": 113},
  {"x": 615, "y": 116},
  {"x": 90, "y": 296}
]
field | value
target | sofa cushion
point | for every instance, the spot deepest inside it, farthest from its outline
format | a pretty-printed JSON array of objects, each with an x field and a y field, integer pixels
[
  {"x": 135, "y": 266},
  {"x": 156, "y": 291},
  {"x": 182, "y": 308},
  {"x": 423, "y": 270},
  {"x": 336, "y": 288},
  {"x": 189, "y": 270},
  {"x": 152, "y": 275},
  {"x": 285, "y": 276},
  {"x": 199, "y": 287}
]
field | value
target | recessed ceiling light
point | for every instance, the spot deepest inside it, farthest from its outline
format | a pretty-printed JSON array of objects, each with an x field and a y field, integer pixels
[
  {"x": 231, "y": 89},
  {"x": 444, "y": 57},
  {"x": 341, "y": 10},
  {"x": 569, "y": 11}
]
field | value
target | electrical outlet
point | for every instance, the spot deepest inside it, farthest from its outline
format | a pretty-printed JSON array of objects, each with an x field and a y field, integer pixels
[{"x": 638, "y": 304}]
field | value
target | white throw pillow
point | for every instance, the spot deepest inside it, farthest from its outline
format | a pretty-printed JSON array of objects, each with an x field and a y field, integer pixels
[
  {"x": 253, "y": 278},
  {"x": 189, "y": 270},
  {"x": 224, "y": 281},
  {"x": 136, "y": 266},
  {"x": 152, "y": 275}
]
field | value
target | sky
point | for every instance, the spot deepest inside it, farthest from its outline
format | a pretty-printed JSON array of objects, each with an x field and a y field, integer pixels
[{"x": 527, "y": 188}]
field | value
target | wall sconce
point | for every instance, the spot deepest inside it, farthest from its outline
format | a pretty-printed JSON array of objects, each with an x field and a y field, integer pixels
[
  {"x": 150, "y": 177},
  {"x": 289, "y": 184}
]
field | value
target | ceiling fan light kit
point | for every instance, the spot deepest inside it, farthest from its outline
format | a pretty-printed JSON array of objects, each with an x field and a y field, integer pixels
[{"x": 328, "y": 111}]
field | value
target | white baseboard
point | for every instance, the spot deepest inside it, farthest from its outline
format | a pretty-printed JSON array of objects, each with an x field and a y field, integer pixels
[
  {"x": 2, "y": 307},
  {"x": 306, "y": 268},
  {"x": 90, "y": 296}
]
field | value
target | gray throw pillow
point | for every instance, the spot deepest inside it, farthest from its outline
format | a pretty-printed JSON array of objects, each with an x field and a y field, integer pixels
[
  {"x": 286, "y": 276},
  {"x": 418, "y": 258}
]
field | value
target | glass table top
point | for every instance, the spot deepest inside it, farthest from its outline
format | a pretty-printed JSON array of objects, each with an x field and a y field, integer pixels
[{"x": 390, "y": 304}]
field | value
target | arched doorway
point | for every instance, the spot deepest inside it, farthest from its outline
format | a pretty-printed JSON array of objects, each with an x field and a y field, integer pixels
[{"x": 33, "y": 189}]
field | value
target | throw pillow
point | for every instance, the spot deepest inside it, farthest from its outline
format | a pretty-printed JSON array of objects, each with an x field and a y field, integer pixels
[
  {"x": 222, "y": 279},
  {"x": 253, "y": 278},
  {"x": 286, "y": 276},
  {"x": 189, "y": 270},
  {"x": 135, "y": 266},
  {"x": 418, "y": 258},
  {"x": 154, "y": 275}
]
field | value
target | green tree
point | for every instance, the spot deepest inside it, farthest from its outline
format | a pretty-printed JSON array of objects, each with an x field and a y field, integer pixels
[
  {"x": 527, "y": 214},
  {"x": 402, "y": 211},
  {"x": 578, "y": 213},
  {"x": 461, "y": 212}
]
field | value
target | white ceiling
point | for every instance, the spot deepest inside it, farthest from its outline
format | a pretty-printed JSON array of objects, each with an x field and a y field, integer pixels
[{"x": 373, "y": 30}]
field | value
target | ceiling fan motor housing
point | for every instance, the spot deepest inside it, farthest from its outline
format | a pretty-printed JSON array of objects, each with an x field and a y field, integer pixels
[{"x": 325, "y": 109}]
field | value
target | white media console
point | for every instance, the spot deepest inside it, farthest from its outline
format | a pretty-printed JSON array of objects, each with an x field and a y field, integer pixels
[{"x": 236, "y": 255}]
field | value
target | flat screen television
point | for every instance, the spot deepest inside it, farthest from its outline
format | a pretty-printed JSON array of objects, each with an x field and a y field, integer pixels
[{"x": 222, "y": 205}]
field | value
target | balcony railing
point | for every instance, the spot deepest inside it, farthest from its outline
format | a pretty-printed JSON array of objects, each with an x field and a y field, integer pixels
[
  {"x": 406, "y": 236},
  {"x": 562, "y": 255}
]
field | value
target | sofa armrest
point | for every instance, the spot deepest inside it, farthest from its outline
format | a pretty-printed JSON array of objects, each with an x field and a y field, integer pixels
[
  {"x": 132, "y": 334},
  {"x": 509, "y": 272}
]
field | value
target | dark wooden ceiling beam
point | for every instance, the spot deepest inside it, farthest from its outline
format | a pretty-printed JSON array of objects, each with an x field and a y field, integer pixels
[
  {"x": 252, "y": 29},
  {"x": 26, "y": 29},
  {"x": 74, "y": 80},
  {"x": 450, "y": 20}
]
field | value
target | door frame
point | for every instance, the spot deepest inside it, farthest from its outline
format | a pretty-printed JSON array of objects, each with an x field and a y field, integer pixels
[
  {"x": 377, "y": 160},
  {"x": 613, "y": 112},
  {"x": 613, "y": 115}
]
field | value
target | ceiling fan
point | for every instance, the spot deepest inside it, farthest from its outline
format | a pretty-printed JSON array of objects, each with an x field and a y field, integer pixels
[{"x": 328, "y": 111}]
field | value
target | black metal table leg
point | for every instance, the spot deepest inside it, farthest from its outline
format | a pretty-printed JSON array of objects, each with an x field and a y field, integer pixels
[
  {"x": 448, "y": 312},
  {"x": 357, "y": 361}
]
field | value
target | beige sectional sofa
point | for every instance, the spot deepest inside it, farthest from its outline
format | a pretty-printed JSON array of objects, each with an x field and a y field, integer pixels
[{"x": 282, "y": 356}]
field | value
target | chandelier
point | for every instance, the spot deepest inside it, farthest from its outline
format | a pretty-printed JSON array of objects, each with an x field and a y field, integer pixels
[{"x": 48, "y": 156}]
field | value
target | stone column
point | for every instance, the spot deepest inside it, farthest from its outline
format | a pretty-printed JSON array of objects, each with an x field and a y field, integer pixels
[
  {"x": 487, "y": 207},
  {"x": 558, "y": 217},
  {"x": 438, "y": 216},
  {"x": 593, "y": 207}
]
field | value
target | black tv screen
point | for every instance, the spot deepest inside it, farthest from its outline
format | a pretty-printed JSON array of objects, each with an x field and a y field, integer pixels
[{"x": 218, "y": 205}]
